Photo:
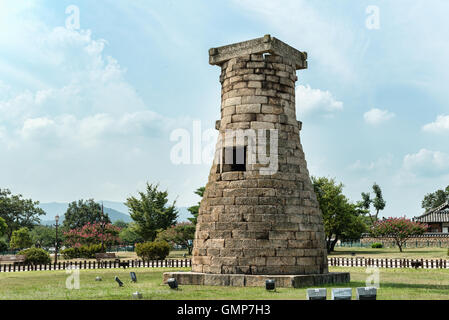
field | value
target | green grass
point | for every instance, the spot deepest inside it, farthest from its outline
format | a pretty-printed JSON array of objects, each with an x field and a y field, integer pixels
[
  {"x": 391, "y": 253},
  {"x": 409, "y": 284}
]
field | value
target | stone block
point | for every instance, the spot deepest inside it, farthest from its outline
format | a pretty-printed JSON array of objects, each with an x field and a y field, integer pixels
[
  {"x": 248, "y": 108},
  {"x": 255, "y": 84},
  {"x": 254, "y": 100}
]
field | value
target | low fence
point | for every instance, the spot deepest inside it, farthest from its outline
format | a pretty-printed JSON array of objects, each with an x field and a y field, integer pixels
[
  {"x": 168, "y": 263},
  {"x": 389, "y": 263},
  {"x": 185, "y": 263}
]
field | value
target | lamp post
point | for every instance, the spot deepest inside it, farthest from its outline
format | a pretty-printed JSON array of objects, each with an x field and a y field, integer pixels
[
  {"x": 102, "y": 226},
  {"x": 56, "y": 245}
]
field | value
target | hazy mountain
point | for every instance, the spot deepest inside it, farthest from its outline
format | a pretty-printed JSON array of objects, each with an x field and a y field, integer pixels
[
  {"x": 115, "y": 210},
  {"x": 56, "y": 208}
]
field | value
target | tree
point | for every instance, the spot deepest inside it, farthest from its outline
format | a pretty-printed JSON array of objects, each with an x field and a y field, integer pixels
[
  {"x": 18, "y": 212},
  {"x": 400, "y": 229},
  {"x": 43, "y": 236},
  {"x": 151, "y": 212},
  {"x": 3, "y": 227},
  {"x": 194, "y": 210},
  {"x": 21, "y": 239},
  {"x": 342, "y": 219},
  {"x": 92, "y": 233},
  {"x": 80, "y": 213},
  {"x": 435, "y": 199},
  {"x": 121, "y": 224},
  {"x": 182, "y": 234},
  {"x": 378, "y": 202},
  {"x": 129, "y": 235}
]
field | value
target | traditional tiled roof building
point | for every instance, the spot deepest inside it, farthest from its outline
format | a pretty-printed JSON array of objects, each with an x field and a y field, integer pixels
[{"x": 437, "y": 219}]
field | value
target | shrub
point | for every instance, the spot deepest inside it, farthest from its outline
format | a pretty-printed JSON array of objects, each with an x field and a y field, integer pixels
[
  {"x": 21, "y": 239},
  {"x": 377, "y": 245},
  {"x": 36, "y": 256},
  {"x": 70, "y": 253},
  {"x": 3, "y": 245},
  {"x": 86, "y": 252},
  {"x": 153, "y": 250}
]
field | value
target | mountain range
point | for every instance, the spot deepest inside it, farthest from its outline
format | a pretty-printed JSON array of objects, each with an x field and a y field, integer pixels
[{"x": 115, "y": 210}]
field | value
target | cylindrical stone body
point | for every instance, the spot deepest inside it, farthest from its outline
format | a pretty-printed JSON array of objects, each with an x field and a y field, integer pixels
[{"x": 254, "y": 223}]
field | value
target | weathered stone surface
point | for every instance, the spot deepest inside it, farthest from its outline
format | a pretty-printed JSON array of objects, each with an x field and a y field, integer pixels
[
  {"x": 267, "y": 44},
  {"x": 253, "y": 223},
  {"x": 247, "y": 280}
]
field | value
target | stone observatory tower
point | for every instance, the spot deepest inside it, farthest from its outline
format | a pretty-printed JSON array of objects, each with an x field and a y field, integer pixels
[{"x": 259, "y": 218}]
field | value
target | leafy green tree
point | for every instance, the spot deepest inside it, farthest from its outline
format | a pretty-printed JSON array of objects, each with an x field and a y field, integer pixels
[
  {"x": 79, "y": 213},
  {"x": 400, "y": 229},
  {"x": 21, "y": 239},
  {"x": 18, "y": 212},
  {"x": 342, "y": 219},
  {"x": 181, "y": 234},
  {"x": 435, "y": 199},
  {"x": 3, "y": 246},
  {"x": 3, "y": 227},
  {"x": 195, "y": 209},
  {"x": 378, "y": 202},
  {"x": 44, "y": 236},
  {"x": 121, "y": 224},
  {"x": 129, "y": 235},
  {"x": 151, "y": 212}
]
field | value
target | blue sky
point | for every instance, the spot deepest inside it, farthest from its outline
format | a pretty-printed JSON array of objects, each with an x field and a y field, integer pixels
[{"x": 88, "y": 112}]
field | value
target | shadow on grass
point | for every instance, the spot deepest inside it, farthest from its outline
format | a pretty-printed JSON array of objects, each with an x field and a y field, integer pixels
[
  {"x": 377, "y": 252},
  {"x": 388, "y": 285}
]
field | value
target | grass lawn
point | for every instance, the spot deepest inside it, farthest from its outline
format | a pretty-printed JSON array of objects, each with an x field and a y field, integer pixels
[
  {"x": 407, "y": 284},
  {"x": 391, "y": 253}
]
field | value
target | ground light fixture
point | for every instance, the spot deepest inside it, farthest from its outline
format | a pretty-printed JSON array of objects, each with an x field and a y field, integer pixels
[
  {"x": 137, "y": 295},
  {"x": 120, "y": 283},
  {"x": 172, "y": 283},
  {"x": 133, "y": 276},
  {"x": 270, "y": 285}
]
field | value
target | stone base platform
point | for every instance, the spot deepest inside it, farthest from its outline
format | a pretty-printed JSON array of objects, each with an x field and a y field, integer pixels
[{"x": 245, "y": 280}]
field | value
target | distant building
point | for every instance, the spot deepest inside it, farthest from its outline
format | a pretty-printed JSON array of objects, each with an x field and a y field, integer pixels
[{"x": 437, "y": 219}]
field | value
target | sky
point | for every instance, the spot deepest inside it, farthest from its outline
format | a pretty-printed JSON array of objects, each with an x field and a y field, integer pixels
[{"x": 92, "y": 91}]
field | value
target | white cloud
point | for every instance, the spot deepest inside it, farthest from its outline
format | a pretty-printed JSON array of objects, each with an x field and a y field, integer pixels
[
  {"x": 376, "y": 116},
  {"x": 310, "y": 100},
  {"x": 427, "y": 163},
  {"x": 71, "y": 125},
  {"x": 298, "y": 22},
  {"x": 440, "y": 125},
  {"x": 379, "y": 164}
]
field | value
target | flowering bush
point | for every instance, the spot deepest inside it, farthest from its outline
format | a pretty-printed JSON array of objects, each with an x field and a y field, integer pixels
[
  {"x": 181, "y": 234},
  {"x": 400, "y": 229},
  {"x": 92, "y": 233},
  {"x": 87, "y": 252}
]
